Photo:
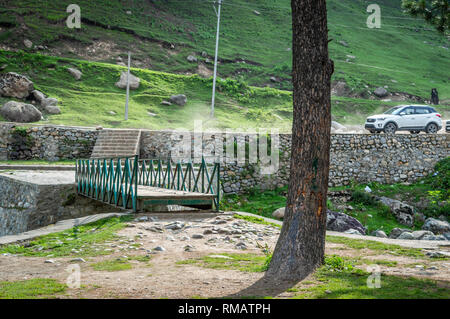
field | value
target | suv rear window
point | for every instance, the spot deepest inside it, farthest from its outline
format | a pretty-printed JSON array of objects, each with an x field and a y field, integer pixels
[{"x": 422, "y": 110}]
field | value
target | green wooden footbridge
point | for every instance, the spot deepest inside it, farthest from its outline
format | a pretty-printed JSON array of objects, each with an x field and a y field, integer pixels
[{"x": 138, "y": 184}]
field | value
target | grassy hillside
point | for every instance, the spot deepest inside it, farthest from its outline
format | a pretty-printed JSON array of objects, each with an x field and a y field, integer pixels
[{"x": 405, "y": 54}]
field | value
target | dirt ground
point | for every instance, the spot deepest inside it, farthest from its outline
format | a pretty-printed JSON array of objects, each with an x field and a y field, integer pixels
[{"x": 162, "y": 277}]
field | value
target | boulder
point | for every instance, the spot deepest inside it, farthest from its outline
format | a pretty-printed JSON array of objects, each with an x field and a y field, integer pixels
[
  {"x": 379, "y": 233},
  {"x": 381, "y": 92},
  {"x": 397, "y": 232},
  {"x": 341, "y": 222},
  {"x": 406, "y": 235},
  {"x": 20, "y": 112},
  {"x": 436, "y": 226},
  {"x": 27, "y": 43},
  {"x": 279, "y": 213},
  {"x": 75, "y": 73},
  {"x": 51, "y": 101},
  {"x": 166, "y": 103},
  {"x": 122, "y": 83},
  {"x": 419, "y": 234},
  {"x": 52, "y": 109},
  {"x": 191, "y": 58},
  {"x": 404, "y": 213},
  {"x": 179, "y": 99},
  {"x": 38, "y": 96},
  {"x": 352, "y": 232},
  {"x": 15, "y": 85}
]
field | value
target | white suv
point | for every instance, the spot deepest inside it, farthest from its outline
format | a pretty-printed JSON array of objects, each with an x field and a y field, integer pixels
[{"x": 413, "y": 118}]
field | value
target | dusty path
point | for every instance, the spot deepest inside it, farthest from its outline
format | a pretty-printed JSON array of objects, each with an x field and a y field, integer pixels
[{"x": 163, "y": 277}]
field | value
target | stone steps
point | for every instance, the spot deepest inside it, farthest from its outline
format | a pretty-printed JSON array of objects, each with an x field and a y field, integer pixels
[{"x": 117, "y": 143}]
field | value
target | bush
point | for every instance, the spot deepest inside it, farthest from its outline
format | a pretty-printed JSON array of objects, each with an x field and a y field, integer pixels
[
  {"x": 440, "y": 179},
  {"x": 363, "y": 198}
]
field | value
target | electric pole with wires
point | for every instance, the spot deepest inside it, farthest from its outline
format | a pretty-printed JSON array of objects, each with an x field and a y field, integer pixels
[{"x": 215, "y": 56}]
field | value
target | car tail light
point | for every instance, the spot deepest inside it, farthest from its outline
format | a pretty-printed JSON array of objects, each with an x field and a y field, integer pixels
[{"x": 438, "y": 115}]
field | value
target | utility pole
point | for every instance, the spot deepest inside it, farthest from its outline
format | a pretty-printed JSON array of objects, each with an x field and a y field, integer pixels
[
  {"x": 128, "y": 86},
  {"x": 215, "y": 58}
]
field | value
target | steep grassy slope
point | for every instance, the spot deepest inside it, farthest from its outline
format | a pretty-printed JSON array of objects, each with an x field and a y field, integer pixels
[
  {"x": 95, "y": 100},
  {"x": 405, "y": 54}
]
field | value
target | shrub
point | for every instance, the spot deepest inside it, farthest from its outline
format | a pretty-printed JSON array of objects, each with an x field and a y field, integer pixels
[{"x": 363, "y": 198}]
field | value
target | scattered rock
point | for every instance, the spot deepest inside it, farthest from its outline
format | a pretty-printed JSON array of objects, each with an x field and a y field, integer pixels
[
  {"x": 191, "y": 58},
  {"x": 220, "y": 256},
  {"x": 79, "y": 259},
  {"x": 20, "y": 112},
  {"x": 352, "y": 232},
  {"x": 397, "y": 231},
  {"x": 27, "y": 43},
  {"x": 279, "y": 213},
  {"x": 380, "y": 92},
  {"x": 241, "y": 245},
  {"x": 38, "y": 96},
  {"x": 406, "y": 235},
  {"x": 15, "y": 85},
  {"x": 179, "y": 99},
  {"x": 341, "y": 222},
  {"x": 75, "y": 73},
  {"x": 274, "y": 79},
  {"x": 49, "y": 261},
  {"x": 166, "y": 103},
  {"x": 159, "y": 248},
  {"x": 379, "y": 233},
  {"x": 337, "y": 126},
  {"x": 436, "y": 226},
  {"x": 419, "y": 234},
  {"x": 343, "y": 43},
  {"x": 368, "y": 189},
  {"x": 404, "y": 213},
  {"x": 204, "y": 54},
  {"x": 256, "y": 12},
  {"x": 49, "y": 102},
  {"x": 122, "y": 83},
  {"x": 197, "y": 236},
  {"x": 52, "y": 109}
]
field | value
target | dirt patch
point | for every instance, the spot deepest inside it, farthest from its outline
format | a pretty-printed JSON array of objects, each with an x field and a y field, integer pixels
[{"x": 168, "y": 242}]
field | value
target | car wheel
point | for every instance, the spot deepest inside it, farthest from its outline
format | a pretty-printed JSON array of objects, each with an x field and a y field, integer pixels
[
  {"x": 390, "y": 128},
  {"x": 431, "y": 128}
]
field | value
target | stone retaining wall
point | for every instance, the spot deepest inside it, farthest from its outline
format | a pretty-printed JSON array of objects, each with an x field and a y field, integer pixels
[
  {"x": 354, "y": 157},
  {"x": 18, "y": 142},
  {"x": 25, "y": 206}
]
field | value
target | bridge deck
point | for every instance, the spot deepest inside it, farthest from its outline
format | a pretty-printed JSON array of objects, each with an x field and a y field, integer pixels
[{"x": 148, "y": 195}]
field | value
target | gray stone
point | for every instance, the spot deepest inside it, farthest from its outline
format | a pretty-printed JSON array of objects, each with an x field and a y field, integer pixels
[
  {"x": 27, "y": 43},
  {"x": 279, "y": 213},
  {"x": 15, "y": 85},
  {"x": 381, "y": 92},
  {"x": 397, "y": 231},
  {"x": 436, "y": 226},
  {"x": 404, "y": 213},
  {"x": 179, "y": 99},
  {"x": 159, "y": 248},
  {"x": 191, "y": 58},
  {"x": 341, "y": 222},
  {"x": 122, "y": 83},
  {"x": 38, "y": 95},
  {"x": 75, "y": 73},
  {"x": 406, "y": 235},
  {"x": 197, "y": 236},
  {"x": 52, "y": 109},
  {"x": 379, "y": 233},
  {"x": 20, "y": 112},
  {"x": 419, "y": 234}
]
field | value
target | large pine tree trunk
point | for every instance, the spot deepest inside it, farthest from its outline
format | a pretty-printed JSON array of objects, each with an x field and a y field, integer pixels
[{"x": 300, "y": 248}]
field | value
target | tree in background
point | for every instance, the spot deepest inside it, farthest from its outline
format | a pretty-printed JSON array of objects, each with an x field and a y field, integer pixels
[
  {"x": 300, "y": 247},
  {"x": 435, "y": 12}
]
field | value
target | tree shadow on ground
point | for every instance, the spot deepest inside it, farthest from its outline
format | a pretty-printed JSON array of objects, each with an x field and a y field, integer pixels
[{"x": 267, "y": 286}]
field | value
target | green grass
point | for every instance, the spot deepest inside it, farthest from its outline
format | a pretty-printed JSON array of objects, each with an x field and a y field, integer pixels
[
  {"x": 255, "y": 220},
  {"x": 241, "y": 262},
  {"x": 352, "y": 284},
  {"x": 117, "y": 264},
  {"x": 82, "y": 241},
  {"x": 377, "y": 246},
  {"x": 263, "y": 41},
  {"x": 31, "y": 289}
]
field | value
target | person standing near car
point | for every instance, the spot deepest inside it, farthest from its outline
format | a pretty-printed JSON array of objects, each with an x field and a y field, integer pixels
[{"x": 434, "y": 97}]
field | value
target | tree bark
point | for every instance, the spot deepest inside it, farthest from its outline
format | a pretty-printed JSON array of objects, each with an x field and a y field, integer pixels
[{"x": 300, "y": 247}]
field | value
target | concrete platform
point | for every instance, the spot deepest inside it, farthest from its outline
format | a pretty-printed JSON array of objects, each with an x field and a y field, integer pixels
[{"x": 41, "y": 177}]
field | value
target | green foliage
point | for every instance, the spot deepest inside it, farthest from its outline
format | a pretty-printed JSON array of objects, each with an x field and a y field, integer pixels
[
  {"x": 363, "y": 198},
  {"x": 337, "y": 263},
  {"x": 84, "y": 240},
  {"x": 117, "y": 264},
  {"x": 436, "y": 12},
  {"x": 241, "y": 262},
  {"x": 440, "y": 178},
  {"x": 31, "y": 288}
]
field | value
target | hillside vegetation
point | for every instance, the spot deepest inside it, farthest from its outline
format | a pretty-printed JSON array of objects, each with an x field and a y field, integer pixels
[{"x": 405, "y": 55}]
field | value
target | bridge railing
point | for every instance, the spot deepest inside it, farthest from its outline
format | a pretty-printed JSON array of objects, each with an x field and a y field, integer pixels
[
  {"x": 113, "y": 181},
  {"x": 184, "y": 176}
]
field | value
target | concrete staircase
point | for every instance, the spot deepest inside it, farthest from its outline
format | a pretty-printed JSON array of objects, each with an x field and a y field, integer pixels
[{"x": 117, "y": 143}]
